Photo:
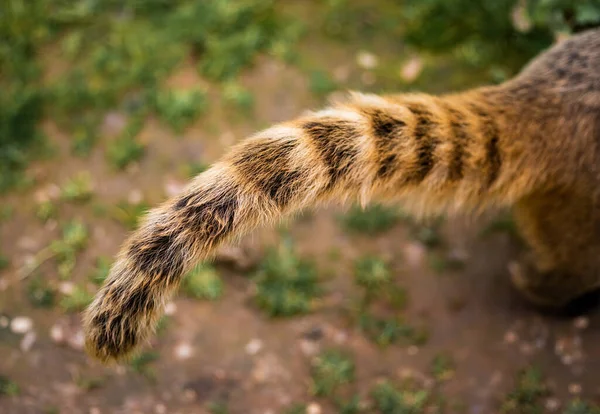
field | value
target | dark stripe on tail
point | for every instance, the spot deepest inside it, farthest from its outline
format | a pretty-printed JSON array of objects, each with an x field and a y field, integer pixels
[
  {"x": 265, "y": 164},
  {"x": 491, "y": 136},
  {"x": 460, "y": 136},
  {"x": 157, "y": 255},
  {"x": 387, "y": 131},
  {"x": 335, "y": 141},
  {"x": 425, "y": 142}
]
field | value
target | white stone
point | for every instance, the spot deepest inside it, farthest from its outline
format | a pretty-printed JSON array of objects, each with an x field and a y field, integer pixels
[
  {"x": 21, "y": 325},
  {"x": 254, "y": 346}
]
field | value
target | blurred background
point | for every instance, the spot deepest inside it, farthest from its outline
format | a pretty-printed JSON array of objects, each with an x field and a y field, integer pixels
[{"x": 108, "y": 107}]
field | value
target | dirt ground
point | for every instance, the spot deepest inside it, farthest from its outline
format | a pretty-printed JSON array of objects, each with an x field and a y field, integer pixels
[{"x": 229, "y": 351}]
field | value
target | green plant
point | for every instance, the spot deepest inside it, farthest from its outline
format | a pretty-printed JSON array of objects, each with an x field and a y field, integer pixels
[
  {"x": 528, "y": 394},
  {"x": 4, "y": 262},
  {"x": 321, "y": 83},
  {"x": 129, "y": 214},
  {"x": 371, "y": 220},
  {"x": 6, "y": 212},
  {"x": 140, "y": 363},
  {"x": 297, "y": 408},
  {"x": 203, "y": 282},
  {"x": 126, "y": 149},
  {"x": 76, "y": 300},
  {"x": 371, "y": 273},
  {"x": 286, "y": 285},
  {"x": 46, "y": 210},
  {"x": 218, "y": 407},
  {"x": 391, "y": 400},
  {"x": 78, "y": 188},
  {"x": 101, "y": 271},
  {"x": 8, "y": 387},
  {"x": 179, "y": 108},
  {"x": 443, "y": 367},
  {"x": 578, "y": 406},
  {"x": 330, "y": 370},
  {"x": 387, "y": 331},
  {"x": 40, "y": 294},
  {"x": 64, "y": 250}
]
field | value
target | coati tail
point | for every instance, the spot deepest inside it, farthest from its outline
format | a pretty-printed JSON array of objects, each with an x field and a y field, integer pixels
[{"x": 448, "y": 150}]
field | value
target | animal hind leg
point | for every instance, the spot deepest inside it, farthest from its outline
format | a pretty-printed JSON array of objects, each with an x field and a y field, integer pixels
[{"x": 562, "y": 229}]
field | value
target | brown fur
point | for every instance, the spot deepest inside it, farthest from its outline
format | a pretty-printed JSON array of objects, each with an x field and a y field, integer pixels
[{"x": 531, "y": 143}]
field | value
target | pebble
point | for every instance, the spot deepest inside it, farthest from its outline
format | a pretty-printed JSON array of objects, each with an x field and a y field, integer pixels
[
  {"x": 254, "y": 346},
  {"x": 170, "y": 308},
  {"x": 77, "y": 340},
  {"x": 160, "y": 409},
  {"x": 135, "y": 196},
  {"x": 412, "y": 350},
  {"x": 575, "y": 389},
  {"x": 366, "y": 60},
  {"x": 510, "y": 337},
  {"x": 21, "y": 325},
  {"x": 183, "y": 351},
  {"x": 581, "y": 322},
  {"x": 313, "y": 408},
  {"x": 57, "y": 333},
  {"x": 173, "y": 188},
  {"x": 411, "y": 69},
  {"x": 66, "y": 288},
  {"x": 308, "y": 347},
  {"x": 414, "y": 254},
  {"x": 552, "y": 404}
]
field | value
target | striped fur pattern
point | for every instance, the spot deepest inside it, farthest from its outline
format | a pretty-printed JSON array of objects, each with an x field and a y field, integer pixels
[{"x": 456, "y": 152}]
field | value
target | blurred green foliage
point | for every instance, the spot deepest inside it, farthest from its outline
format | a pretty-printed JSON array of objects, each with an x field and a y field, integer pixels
[
  {"x": 371, "y": 220},
  {"x": 391, "y": 399},
  {"x": 74, "y": 61},
  {"x": 203, "y": 282},
  {"x": 330, "y": 370},
  {"x": 528, "y": 395},
  {"x": 285, "y": 284}
]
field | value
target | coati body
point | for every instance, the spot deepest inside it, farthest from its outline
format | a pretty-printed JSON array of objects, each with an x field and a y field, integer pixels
[{"x": 531, "y": 143}]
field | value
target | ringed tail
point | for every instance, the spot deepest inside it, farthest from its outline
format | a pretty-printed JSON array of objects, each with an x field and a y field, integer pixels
[{"x": 445, "y": 152}]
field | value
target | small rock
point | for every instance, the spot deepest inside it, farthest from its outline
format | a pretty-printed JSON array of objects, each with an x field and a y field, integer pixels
[
  {"x": 552, "y": 404},
  {"x": 66, "y": 288},
  {"x": 21, "y": 325},
  {"x": 366, "y": 60},
  {"x": 575, "y": 389},
  {"x": 76, "y": 340},
  {"x": 135, "y": 196},
  {"x": 4, "y": 322},
  {"x": 183, "y": 351},
  {"x": 309, "y": 348},
  {"x": 160, "y": 409},
  {"x": 28, "y": 341},
  {"x": 95, "y": 410},
  {"x": 581, "y": 322},
  {"x": 313, "y": 408},
  {"x": 173, "y": 188},
  {"x": 57, "y": 333},
  {"x": 170, "y": 308},
  {"x": 510, "y": 337},
  {"x": 411, "y": 69},
  {"x": 414, "y": 253},
  {"x": 254, "y": 346},
  {"x": 412, "y": 350}
]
